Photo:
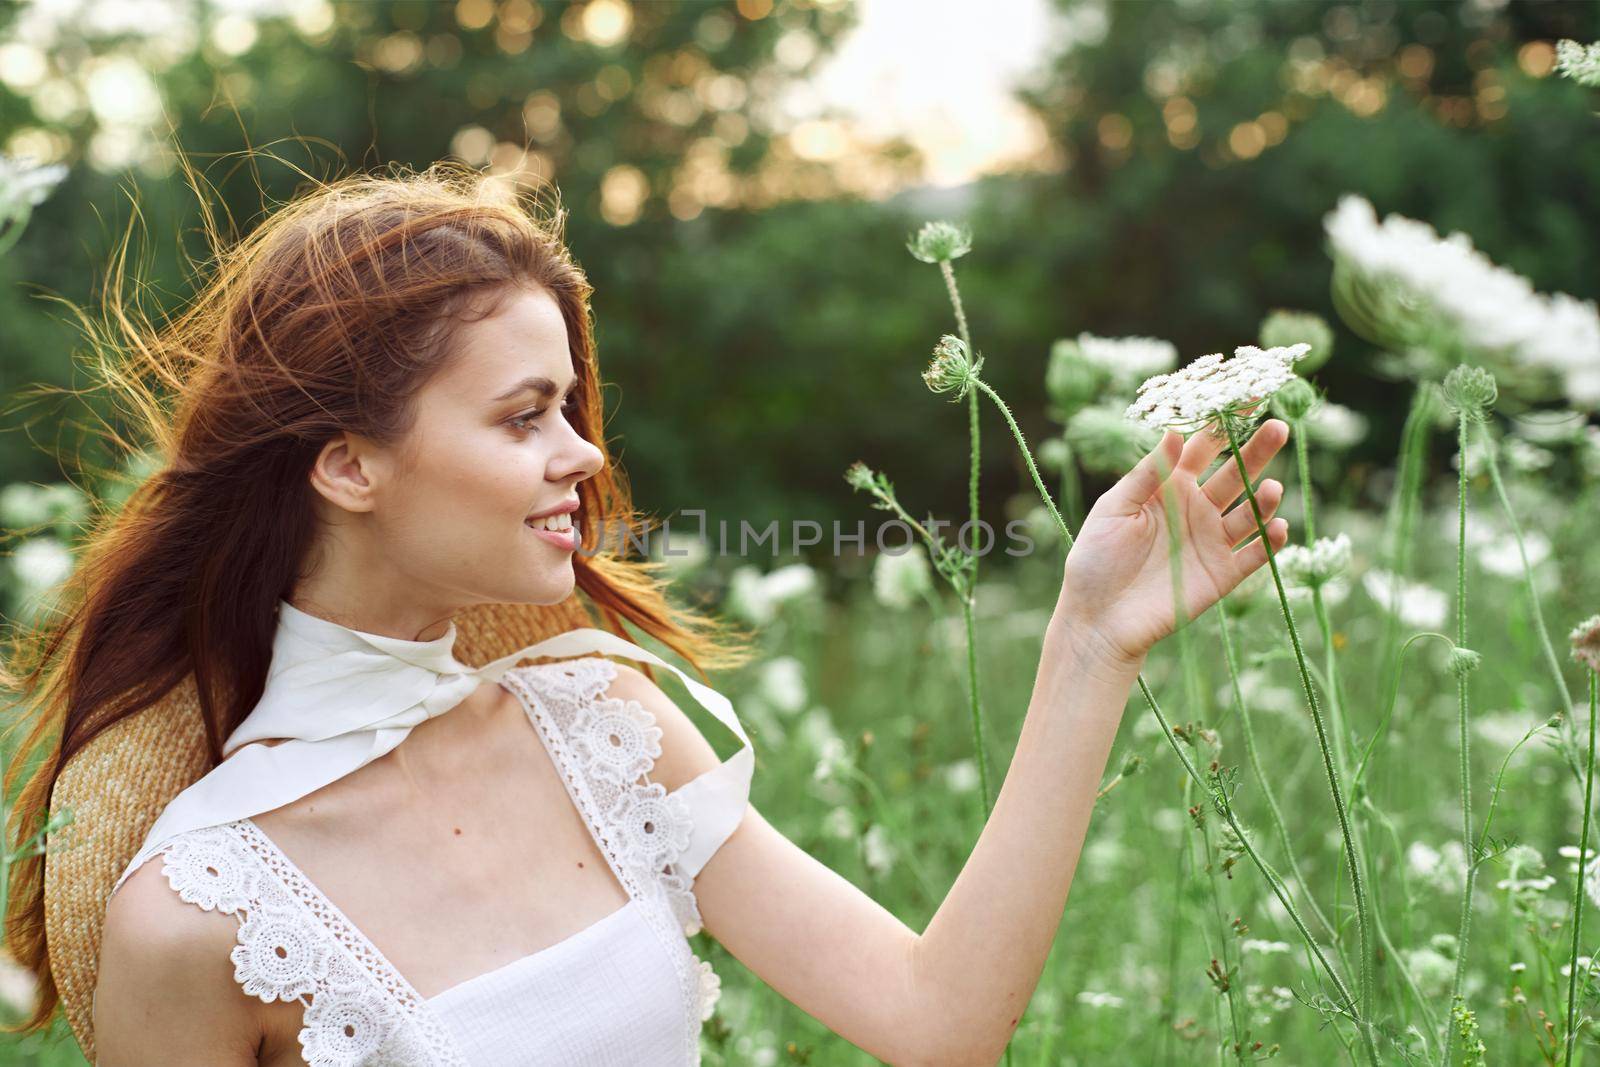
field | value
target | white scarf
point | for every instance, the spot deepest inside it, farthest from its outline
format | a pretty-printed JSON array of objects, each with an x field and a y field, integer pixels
[{"x": 344, "y": 697}]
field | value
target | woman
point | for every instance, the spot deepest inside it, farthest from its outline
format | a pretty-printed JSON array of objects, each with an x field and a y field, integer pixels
[{"x": 386, "y": 380}]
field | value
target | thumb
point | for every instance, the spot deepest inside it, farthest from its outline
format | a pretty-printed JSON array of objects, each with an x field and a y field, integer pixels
[{"x": 1135, "y": 487}]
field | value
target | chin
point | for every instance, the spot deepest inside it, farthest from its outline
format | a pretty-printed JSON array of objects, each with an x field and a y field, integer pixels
[{"x": 553, "y": 591}]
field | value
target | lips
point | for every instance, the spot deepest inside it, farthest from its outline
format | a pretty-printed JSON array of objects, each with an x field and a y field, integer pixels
[{"x": 566, "y": 507}]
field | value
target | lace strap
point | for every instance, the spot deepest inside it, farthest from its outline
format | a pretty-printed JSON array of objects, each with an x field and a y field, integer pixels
[
  {"x": 606, "y": 748},
  {"x": 356, "y": 1014}
]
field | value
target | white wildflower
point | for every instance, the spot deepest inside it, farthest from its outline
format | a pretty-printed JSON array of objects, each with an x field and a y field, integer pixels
[
  {"x": 1310, "y": 566},
  {"x": 18, "y": 985},
  {"x": 1490, "y": 308},
  {"x": 1129, "y": 360},
  {"x": 1505, "y": 728},
  {"x": 1432, "y": 971},
  {"x": 1585, "y": 965},
  {"x": 1336, "y": 426},
  {"x": 961, "y": 776},
  {"x": 1441, "y": 868},
  {"x": 783, "y": 684},
  {"x": 1266, "y": 948},
  {"x": 1525, "y": 456},
  {"x": 25, "y": 184},
  {"x": 41, "y": 562},
  {"x": 1579, "y": 62},
  {"x": 877, "y": 851},
  {"x": 756, "y": 597},
  {"x": 832, "y": 758},
  {"x": 1195, "y": 395},
  {"x": 1523, "y": 885},
  {"x": 839, "y": 822},
  {"x": 900, "y": 578},
  {"x": 1420, "y": 606},
  {"x": 1099, "y": 1000}
]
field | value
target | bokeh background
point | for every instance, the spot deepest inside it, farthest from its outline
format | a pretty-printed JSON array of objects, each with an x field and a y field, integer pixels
[{"x": 742, "y": 178}]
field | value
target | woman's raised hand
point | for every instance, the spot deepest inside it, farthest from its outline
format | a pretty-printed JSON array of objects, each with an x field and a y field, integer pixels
[{"x": 1118, "y": 580}]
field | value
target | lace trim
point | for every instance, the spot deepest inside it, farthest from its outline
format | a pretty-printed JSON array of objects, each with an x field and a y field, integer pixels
[
  {"x": 293, "y": 944},
  {"x": 605, "y": 748}
]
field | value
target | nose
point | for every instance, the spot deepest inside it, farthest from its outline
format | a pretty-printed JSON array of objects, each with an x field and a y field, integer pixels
[{"x": 576, "y": 457}]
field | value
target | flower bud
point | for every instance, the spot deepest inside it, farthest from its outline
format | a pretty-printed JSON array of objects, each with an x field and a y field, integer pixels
[
  {"x": 1283, "y": 328},
  {"x": 1463, "y": 661},
  {"x": 940, "y": 242},
  {"x": 1297, "y": 399},
  {"x": 1054, "y": 454},
  {"x": 859, "y": 476},
  {"x": 951, "y": 370},
  {"x": 1585, "y": 638},
  {"x": 1470, "y": 391},
  {"x": 1070, "y": 379}
]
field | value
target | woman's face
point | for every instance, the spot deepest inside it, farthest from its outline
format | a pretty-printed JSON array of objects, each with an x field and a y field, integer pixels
[{"x": 439, "y": 521}]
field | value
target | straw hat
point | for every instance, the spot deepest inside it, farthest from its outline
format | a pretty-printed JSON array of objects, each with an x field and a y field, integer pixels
[{"x": 121, "y": 781}]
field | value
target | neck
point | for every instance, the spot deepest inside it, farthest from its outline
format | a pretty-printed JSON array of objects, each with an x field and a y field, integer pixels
[
  {"x": 407, "y": 620},
  {"x": 358, "y": 582}
]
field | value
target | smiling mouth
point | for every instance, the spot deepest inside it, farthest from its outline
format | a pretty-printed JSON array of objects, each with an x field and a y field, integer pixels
[{"x": 559, "y": 529}]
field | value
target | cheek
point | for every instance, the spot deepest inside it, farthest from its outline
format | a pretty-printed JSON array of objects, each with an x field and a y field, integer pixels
[{"x": 475, "y": 493}]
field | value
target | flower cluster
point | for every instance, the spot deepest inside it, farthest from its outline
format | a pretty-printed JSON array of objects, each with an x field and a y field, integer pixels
[
  {"x": 940, "y": 242},
  {"x": 1314, "y": 565},
  {"x": 1104, "y": 441},
  {"x": 1210, "y": 387},
  {"x": 1420, "y": 606},
  {"x": 1282, "y": 328},
  {"x": 1486, "y": 307},
  {"x": 1579, "y": 62},
  {"x": 1128, "y": 358}
]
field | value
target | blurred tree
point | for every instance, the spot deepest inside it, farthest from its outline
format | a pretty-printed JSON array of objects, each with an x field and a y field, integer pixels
[{"x": 764, "y": 328}]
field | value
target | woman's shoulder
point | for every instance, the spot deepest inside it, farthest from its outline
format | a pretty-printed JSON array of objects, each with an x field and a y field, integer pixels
[{"x": 165, "y": 976}]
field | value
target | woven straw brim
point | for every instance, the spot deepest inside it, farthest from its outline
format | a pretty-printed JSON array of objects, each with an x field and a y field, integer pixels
[{"x": 120, "y": 782}]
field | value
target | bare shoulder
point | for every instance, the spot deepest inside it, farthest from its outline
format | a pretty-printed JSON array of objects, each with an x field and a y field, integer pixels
[
  {"x": 166, "y": 991},
  {"x": 685, "y": 752}
]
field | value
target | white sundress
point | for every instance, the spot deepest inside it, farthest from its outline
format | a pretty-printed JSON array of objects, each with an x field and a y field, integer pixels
[{"x": 626, "y": 990}]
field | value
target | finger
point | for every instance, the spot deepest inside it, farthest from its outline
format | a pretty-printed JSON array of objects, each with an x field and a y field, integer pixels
[
  {"x": 1225, "y": 485},
  {"x": 1206, "y": 446},
  {"x": 1241, "y": 521},
  {"x": 1131, "y": 491},
  {"x": 1253, "y": 555}
]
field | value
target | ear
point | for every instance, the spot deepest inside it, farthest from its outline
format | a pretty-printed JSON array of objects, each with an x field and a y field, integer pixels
[{"x": 343, "y": 472}]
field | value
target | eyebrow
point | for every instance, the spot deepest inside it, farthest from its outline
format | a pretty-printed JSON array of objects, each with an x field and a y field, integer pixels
[{"x": 545, "y": 387}]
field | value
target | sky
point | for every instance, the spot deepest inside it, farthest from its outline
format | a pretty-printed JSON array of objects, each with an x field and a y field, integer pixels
[{"x": 939, "y": 73}]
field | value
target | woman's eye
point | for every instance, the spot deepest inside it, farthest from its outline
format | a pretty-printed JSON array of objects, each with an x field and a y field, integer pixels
[{"x": 569, "y": 407}]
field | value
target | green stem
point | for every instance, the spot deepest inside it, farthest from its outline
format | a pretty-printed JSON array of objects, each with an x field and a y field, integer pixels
[
  {"x": 1388, "y": 713},
  {"x": 1569, "y": 738},
  {"x": 1571, "y": 1039},
  {"x": 1224, "y": 804},
  {"x": 1263, "y": 781},
  {"x": 974, "y": 699},
  {"x": 1357, "y": 869},
  {"x": 1463, "y": 737},
  {"x": 1403, "y": 508}
]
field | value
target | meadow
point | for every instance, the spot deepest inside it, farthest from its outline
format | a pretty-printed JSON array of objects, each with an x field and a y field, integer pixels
[{"x": 1347, "y": 817}]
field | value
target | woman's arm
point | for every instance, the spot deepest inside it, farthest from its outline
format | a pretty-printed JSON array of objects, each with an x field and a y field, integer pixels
[{"x": 954, "y": 994}]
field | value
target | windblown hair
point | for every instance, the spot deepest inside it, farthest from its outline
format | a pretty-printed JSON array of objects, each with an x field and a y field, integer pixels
[{"x": 328, "y": 317}]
